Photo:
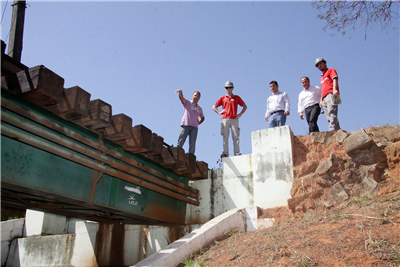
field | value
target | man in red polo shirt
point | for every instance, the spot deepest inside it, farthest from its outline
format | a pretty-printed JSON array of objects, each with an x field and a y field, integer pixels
[
  {"x": 230, "y": 118},
  {"x": 329, "y": 88}
]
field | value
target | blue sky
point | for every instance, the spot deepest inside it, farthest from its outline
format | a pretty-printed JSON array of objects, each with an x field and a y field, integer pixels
[{"x": 135, "y": 55}]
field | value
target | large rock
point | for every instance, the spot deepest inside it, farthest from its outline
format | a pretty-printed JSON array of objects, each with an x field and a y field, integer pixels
[
  {"x": 393, "y": 160},
  {"x": 332, "y": 164},
  {"x": 338, "y": 194},
  {"x": 357, "y": 141}
]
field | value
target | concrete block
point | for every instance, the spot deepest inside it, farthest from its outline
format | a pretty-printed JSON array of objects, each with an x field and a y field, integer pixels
[
  {"x": 156, "y": 239},
  {"x": 56, "y": 250},
  {"x": 211, "y": 233},
  {"x": 10, "y": 230},
  {"x": 41, "y": 223},
  {"x": 71, "y": 225},
  {"x": 252, "y": 214},
  {"x": 202, "y": 213},
  {"x": 84, "y": 246},
  {"x": 191, "y": 243},
  {"x": 272, "y": 163}
]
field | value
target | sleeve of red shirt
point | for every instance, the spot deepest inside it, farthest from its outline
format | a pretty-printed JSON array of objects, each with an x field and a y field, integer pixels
[
  {"x": 219, "y": 102},
  {"x": 240, "y": 101},
  {"x": 332, "y": 73}
]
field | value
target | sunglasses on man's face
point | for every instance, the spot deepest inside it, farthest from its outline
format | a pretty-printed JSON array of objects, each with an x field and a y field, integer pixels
[{"x": 228, "y": 87}]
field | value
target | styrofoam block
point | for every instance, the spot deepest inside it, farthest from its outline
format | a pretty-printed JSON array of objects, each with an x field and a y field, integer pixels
[{"x": 12, "y": 229}]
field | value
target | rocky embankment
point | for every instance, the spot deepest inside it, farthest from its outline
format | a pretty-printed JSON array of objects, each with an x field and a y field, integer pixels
[{"x": 332, "y": 167}]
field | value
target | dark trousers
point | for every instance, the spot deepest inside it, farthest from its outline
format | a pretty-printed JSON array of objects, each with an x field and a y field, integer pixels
[{"x": 312, "y": 113}]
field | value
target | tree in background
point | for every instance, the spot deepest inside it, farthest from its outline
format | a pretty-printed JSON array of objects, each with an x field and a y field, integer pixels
[{"x": 341, "y": 15}]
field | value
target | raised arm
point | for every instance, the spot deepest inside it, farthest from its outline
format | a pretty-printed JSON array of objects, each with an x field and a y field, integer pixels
[{"x": 180, "y": 96}]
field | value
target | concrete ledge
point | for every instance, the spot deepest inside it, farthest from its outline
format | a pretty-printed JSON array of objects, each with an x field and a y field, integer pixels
[
  {"x": 234, "y": 220},
  {"x": 10, "y": 230}
]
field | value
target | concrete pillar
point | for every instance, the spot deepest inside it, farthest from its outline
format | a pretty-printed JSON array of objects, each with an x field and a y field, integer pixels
[
  {"x": 236, "y": 190},
  {"x": 41, "y": 223},
  {"x": 272, "y": 161}
]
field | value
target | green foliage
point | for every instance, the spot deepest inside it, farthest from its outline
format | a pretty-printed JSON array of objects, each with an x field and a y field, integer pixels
[
  {"x": 342, "y": 15},
  {"x": 305, "y": 261},
  {"x": 193, "y": 261},
  {"x": 235, "y": 234},
  {"x": 14, "y": 218}
]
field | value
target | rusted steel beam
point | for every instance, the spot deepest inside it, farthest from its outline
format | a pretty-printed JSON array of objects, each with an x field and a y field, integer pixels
[
  {"x": 43, "y": 145},
  {"x": 87, "y": 141},
  {"x": 57, "y": 139},
  {"x": 95, "y": 179}
]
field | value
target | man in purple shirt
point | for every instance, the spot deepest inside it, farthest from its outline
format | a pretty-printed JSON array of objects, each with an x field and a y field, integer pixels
[{"x": 190, "y": 120}]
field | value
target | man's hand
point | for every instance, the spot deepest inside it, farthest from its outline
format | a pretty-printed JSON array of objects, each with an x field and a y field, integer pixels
[
  {"x": 287, "y": 113},
  {"x": 223, "y": 111},
  {"x": 335, "y": 92},
  {"x": 266, "y": 118},
  {"x": 183, "y": 100},
  {"x": 301, "y": 115}
]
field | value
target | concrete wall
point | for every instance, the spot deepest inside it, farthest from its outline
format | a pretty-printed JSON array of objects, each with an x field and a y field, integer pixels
[
  {"x": 44, "y": 223},
  {"x": 227, "y": 188},
  {"x": 10, "y": 230},
  {"x": 263, "y": 178},
  {"x": 82, "y": 243},
  {"x": 234, "y": 220},
  {"x": 272, "y": 161}
]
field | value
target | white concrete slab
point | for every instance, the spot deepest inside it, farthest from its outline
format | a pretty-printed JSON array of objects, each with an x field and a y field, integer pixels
[
  {"x": 272, "y": 161},
  {"x": 41, "y": 223},
  {"x": 9, "y": 230},
  {"x": 176, "y": 252}
]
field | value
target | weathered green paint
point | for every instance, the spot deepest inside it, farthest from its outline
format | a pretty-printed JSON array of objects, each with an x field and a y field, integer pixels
[{"x": 30, "y": 170}]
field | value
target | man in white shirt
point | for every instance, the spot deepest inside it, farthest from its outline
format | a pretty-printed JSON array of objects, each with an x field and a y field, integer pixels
[
  {"x": 278, "y": 106},
  {"x": 309, "y": 103}
]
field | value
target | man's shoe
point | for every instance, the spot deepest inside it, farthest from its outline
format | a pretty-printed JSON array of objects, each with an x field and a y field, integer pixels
[
  {"x": 223, "y": 155},
  {"x": 238, "y": 154}
]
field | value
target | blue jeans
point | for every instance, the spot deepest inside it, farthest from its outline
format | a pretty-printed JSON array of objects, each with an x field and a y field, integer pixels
[
  {"x": 277, "y": 119},
  {"x": 192, "y": 132}
]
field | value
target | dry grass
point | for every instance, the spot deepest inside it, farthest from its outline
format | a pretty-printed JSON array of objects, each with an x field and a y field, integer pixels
[{"x": 362, "y": 232}]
